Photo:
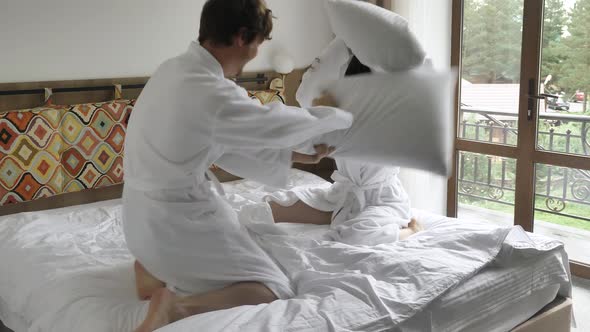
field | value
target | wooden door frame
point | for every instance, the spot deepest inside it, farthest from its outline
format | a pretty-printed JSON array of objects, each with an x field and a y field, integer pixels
[
  {"x": 456, "y": 62},
  {"x": 525, "y": 153},
  {"x": 530, "y": 64}
]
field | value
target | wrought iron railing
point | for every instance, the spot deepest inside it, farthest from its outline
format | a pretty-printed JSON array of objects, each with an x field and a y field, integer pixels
[{"x": 492, "y": 178}]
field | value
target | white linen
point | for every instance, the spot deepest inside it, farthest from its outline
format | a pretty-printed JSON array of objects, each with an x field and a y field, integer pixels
[
  {"x": 380, "y": 38},
  {"x": 513, "y": 306},
  {"x": 504, "y": 294},
  {"x": 188, "y": 117},
  {"x": 330, "y": 300},
  {"x": 11, "y": 320},
  {"x": 70, "y": 271}
]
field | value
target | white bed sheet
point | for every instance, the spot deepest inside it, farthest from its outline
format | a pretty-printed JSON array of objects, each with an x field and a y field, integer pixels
[{"x": 70, "y": 271}]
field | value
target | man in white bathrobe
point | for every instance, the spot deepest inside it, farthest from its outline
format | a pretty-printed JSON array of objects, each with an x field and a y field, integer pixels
[{"x": 189, "y": 116}]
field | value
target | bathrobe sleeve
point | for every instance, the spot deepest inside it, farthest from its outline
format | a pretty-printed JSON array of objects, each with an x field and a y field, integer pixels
[
  {"x": 270, "y": 167},
  {"x": 258, "y": 140},
  {"x": 241, "y": 123}
]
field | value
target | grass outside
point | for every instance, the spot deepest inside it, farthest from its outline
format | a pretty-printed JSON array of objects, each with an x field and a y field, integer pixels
[{"x": 571, "y": 208}]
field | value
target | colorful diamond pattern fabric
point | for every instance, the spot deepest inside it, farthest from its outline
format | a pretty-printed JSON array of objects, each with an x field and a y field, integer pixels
[{"x": 52, "y": 150}]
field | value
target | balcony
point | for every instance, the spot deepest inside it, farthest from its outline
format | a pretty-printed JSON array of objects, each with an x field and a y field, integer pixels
[{"x": 486, "y": 184}]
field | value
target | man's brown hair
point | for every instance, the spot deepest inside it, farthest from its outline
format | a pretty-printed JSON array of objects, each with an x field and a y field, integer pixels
[{"x": 221, "y": 21}]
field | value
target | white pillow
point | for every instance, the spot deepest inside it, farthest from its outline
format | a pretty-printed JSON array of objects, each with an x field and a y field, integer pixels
[
  {"x": 402, "y": 119},
  {"x": 329, "y": 66},
  {"x": 377, "y": 36}
]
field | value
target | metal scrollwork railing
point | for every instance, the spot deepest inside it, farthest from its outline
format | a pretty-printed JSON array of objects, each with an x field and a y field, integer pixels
[{"x": 492, "y": 178}]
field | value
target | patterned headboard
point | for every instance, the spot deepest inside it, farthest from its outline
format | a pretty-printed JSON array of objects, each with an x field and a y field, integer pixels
[{"x": 52, "y": 150}]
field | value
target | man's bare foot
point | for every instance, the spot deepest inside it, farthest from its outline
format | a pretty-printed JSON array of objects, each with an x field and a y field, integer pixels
[
  {"x": 145, "y": 283},
  {"x": 161, "y": 311},
  {"x": 413, "y": 228}
]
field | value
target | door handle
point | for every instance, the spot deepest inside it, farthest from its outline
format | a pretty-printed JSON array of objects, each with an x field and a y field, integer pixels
[
  {"x": 533, "y": 96},
  {"x": 533, "y": 92},
  {"x": 543, "y": 96}
]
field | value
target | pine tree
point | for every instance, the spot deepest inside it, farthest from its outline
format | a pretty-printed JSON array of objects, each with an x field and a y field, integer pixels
[
  {"x": 554, "y": 53},
  {"x": 576, "y": 67},
  {"x": 492, "y": 40}
]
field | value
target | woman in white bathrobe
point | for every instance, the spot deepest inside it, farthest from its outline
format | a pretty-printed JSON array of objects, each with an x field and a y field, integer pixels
[
  {"x": 367, "y": 204},
  {"x": 189, "y": 116}
]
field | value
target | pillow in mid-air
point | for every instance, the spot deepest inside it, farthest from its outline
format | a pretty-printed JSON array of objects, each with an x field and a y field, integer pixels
[
  {"x": 329, "y": 66},
  {"x": 402, "y": 111},
  {"x": 402, "y": 119},
  {"x": 378, "y": 37}
]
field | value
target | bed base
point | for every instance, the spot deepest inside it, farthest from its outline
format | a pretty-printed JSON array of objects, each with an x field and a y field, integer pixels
[{"x": 555, "y": 317}]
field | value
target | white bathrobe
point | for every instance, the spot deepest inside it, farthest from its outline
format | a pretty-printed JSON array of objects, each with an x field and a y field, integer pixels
[
  {"x": 187, "y": 118},
  {"x": 368, "y": 201}
]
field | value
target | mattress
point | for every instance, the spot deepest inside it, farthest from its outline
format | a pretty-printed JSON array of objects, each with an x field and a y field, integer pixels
[{"x": 69, "y": 270}]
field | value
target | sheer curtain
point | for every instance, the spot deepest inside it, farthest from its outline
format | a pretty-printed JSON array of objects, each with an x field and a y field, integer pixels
[{"x": 430, "y": 20}]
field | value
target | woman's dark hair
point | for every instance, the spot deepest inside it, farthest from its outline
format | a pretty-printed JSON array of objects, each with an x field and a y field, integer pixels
[
  {"x": 221, "y": 21},
  {"x": 356, "y": 68}
]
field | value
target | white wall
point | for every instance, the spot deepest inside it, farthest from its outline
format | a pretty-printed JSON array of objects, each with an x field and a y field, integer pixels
[
  {"x": 431, "y": 22},
  {"x": 84, "y": 39}
]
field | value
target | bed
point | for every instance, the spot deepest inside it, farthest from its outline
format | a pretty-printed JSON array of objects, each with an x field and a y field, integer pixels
[{"x": 68, "y": 269}]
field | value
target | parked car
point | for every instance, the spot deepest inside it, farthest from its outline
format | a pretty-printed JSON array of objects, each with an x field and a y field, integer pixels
[
  {"x": 558, "y": 104},
  {"x": 578, "y": 97}
]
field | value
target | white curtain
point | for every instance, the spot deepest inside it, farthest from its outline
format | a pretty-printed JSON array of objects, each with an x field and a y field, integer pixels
[{"x": 430, "y": 20}]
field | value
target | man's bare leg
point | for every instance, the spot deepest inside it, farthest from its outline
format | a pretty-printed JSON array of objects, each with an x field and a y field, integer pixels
[
  {"x": 300, "y": 213},
  {"x": 413, "y": 228},
  {"x": 145, "y": 283},
  {"x": 166, "y": 308}
]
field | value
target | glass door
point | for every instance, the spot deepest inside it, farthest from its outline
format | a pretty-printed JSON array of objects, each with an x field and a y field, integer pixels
[
  {"x": 489, "y": 99},
  {"x": 562, "y": 149},
  {"x": 522, "y": 153}
]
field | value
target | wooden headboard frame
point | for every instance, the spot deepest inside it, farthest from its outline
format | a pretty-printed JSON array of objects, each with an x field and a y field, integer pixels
[{"x": 15, "y": 96}]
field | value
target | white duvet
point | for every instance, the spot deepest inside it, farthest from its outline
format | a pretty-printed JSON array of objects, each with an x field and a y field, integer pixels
[
  {"x": 347, "y": 288},
  {"x": 72, "y": 272}
]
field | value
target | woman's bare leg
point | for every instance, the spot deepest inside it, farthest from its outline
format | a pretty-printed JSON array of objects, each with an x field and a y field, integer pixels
[
  {"x": 413, "y": 228},
  {"x": 145, "y": 283},
  {"x": 300, "y": 213},
  {"x": 166, "y": 308}
]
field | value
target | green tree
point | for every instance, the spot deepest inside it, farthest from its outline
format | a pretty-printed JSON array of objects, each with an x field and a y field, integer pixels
[
  {"x": 492, "y": 40},
  {"x": 576, "y": 67},
  {"x": 554, "y": 52},
  {"x": 555, "y": 20}
]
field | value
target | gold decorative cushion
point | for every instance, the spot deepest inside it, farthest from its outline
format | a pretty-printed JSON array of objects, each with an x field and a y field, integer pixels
[{"x": 267, "y": 96}]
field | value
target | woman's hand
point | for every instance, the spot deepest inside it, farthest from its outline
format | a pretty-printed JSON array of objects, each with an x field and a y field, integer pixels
[
  {"x": 321, "y": 150},
  {"x": 325, "y": 100}
]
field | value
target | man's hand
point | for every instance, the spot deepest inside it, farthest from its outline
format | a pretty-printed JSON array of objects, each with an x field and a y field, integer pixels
[
  {"x": 321, "y": 150},
  {"x": 325, "y": 100}
]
